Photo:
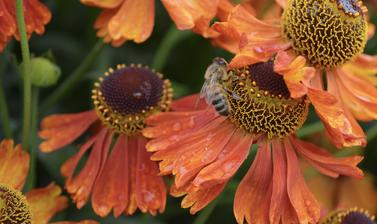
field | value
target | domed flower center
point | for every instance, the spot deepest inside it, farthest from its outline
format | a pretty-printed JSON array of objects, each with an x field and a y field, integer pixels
[
  {"x": 126, "y": 96},
  {"x": 328, "y": 32},
  {"x": 260, "y": 102},
  {"x": 13, "y": 206},
  {"x": 351, "y": 216}
]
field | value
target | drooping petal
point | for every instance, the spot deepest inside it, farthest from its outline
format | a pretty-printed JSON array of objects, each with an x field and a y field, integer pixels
[
  {"x": 107, "y": 4},
  {"x": 227, "y": 162},
  {"x": 101, "y": 24},
  {"x": 150, "y": 188},
  {"x": 132, "y": 173},
  {"x": 281, "y": 209},
  {"x": 37, "y": 16},
  {"x": 303, "y": 201},
  {"x": 61, "y": 130},
  {"x": 133, "y": 21},
  {"x": 115, "y": 179},
  {"x": 7, "y": 25},
  {"x": 358, "y": 94},
  {"x": 46, "y": 202},
  {"x": 296, "y": 75},
  {"x": 192, "y": 14},
  {"x": 325, "y": 163},
  {"x": 11, "y": 174},
  {"x": 253, "y": 195},
  {"x": 340, "y": 126},
  {"x": 364, "y": 66},
  {"x": 81, "y": 185}
]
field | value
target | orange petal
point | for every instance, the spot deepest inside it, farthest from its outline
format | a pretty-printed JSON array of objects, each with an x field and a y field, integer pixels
[
  {"x": 37, "y": 16},
  {"x": 342, "y": 128},
  {"x": 364, "y": 66},
  {"x": 192, "y": 14},
  {"x": 227, "y": 163},
  {"x": 358, "y": 94},
  {"x": 133, "y": 21},
  {"x": 325, "y": 163},
  {"x": 107, "y": 4},
  {"x": 303, "y": 201},
  {"x": 281, "y": 209},
  {"x": 187, "y": 103},
  {"x": 253, "y": 195},
  {"x": 46, "y": 202},
  {"x": 7, "y": 25},
  {"x": 296, "y": 75},
  {"x": 81, "y": 185},
  {"x": 150, "y": 188},
  {"x": 114, "y": 178},
  {"x": 61, "y": 130},
  {"x": 132, "y": 173},
  {"x": 11, "y": 174}
]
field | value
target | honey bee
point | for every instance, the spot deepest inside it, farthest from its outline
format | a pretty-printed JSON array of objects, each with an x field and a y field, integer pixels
[{"x": 213, "y": 90}]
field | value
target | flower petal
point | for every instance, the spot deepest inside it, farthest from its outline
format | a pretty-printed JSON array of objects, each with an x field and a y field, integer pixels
[
  {"x": 253, "y": 195},
  {"x": 14, "y": 176},
  {"x": 303, "y": 201},
  {"x": 133, "y": 21},
  {"x": 192, "y": 14},
  {"x": 150, "y": 188},
  {"x": 81, "y": 185},
  {"x": 61, "y": 130},
  {"x": 325, "y": 163},
  {"x": 107, "y": 4},
  {"x": 7, "y": 25},
  {"x": 114, "y": 178},
  {"x": 46, "y": 202},
  {"x": 364, "y": 66}
]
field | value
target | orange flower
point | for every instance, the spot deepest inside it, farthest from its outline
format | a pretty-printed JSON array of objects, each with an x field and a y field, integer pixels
[
  {"x": 38, "y": 205},
  {"x": 305, "y": 49},
  {"x": 123, "y": 20},
  {"x": 204, "y": 148},
  {"x": 123, "y": 99},
  {"x": 36, "y": 17}
]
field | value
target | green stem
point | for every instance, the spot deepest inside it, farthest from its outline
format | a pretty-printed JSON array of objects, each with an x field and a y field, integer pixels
[
  {"x": 74, "y": 77},
  {"x": 172, "y": 37},
  {"x": 4, "y": 114},
  {"x": 310, "y": 129},
  {"x": 26, "y": 75},
  {"x": 206, "y": 213},
  {"x": 33, "y": 142}
]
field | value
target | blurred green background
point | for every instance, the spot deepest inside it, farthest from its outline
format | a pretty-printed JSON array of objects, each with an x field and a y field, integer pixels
[{"x": 69, "y": 38}]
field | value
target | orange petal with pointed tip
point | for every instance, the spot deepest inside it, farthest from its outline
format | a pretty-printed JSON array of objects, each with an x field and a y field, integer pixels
[
  {"x": 192, "y": 14},
  {"x": 114, "y": 177},
  {"x": 61, "y": 130},
  {"x": 11, "y": 174},
  {"x": 46, "y": 202},
  {"x": 227, "y": 163},
  {"x": 303, "y": 201},
  {"x": 325, "y": 163},
  {"x": 107, "y": 4},
  {"x": 133, "y": 21},
  {"x": 150, "y": 188},
  {"x": 81, "y": 185},
  {"x": 359, "y": 95}
]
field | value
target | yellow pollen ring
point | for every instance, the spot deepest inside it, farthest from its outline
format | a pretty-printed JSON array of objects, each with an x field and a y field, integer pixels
[
  {"x": 260, "y": 112},
  {"x": 14, "y": 207},
  {"x": 129, "y": 124},
  {"x": 328, "y": 32},
  {"x": 337, "y": 217}
]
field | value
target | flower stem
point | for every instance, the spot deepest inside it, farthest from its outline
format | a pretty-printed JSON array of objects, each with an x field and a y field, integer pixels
[
  {"x": 310, "y": 129},
  {"x": 74, "y": 77},
  {"x": 172, "y": 37},
  {"x": 27, "y": 79},
  {"x": 4, "y": 114},
  {"x": 33, "y": 142},
  {"x": 206, "y": 213}
]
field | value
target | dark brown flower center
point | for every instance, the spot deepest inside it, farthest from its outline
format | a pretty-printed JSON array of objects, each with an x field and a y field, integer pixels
[
  {"x": 260, "y": 102},
  {"x": 13, "y": 206},
  {"x": 328, "y": 32},
  {"x": 350, "y": 216},
  {"x": 126, "y": 96}
]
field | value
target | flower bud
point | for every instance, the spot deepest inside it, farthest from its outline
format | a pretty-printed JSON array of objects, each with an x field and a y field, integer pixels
[{"x": 43, "y": 72}]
